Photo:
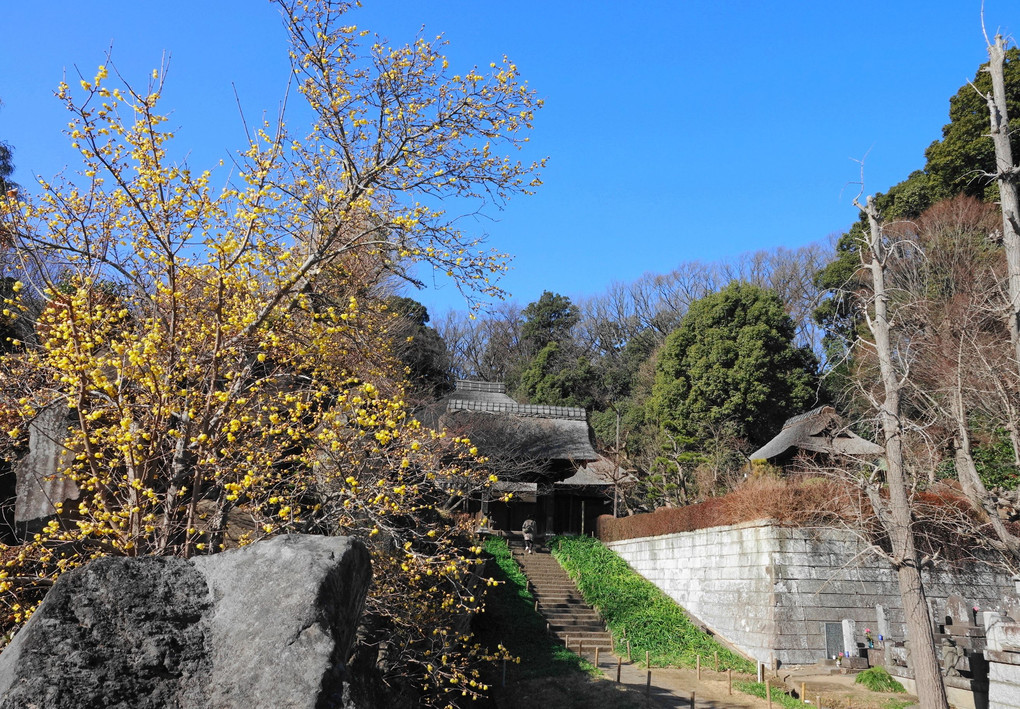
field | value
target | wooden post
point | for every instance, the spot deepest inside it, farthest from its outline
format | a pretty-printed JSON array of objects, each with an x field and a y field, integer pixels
[
  {"x": 729, "y": 680},
  {"x": 629, "y": 658},
  {"x": 648, "y": 681},
  {"x": 803, "y": 693},
  {"x": 716, "y": 660},
  {"x": 536, "y": 606},
  {"x": 566, "y": 640},
  {"x": 699, "y": 668},
  {"x": 619, "y": 667},
  {"x": 580, "y": 649},
  {"x": 692, "y": 700},
  {"x": 597, "y": 656},
  {"x": 768, "y": 693},
  {"x": 818, "y": 701}
]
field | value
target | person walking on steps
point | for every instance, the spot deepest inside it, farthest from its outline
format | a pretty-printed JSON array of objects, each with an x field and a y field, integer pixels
[{"x": 528, "y": 529}]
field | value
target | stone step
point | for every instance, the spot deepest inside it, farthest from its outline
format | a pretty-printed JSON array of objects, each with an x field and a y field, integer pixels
[
  {"x": 572, "y": 616},
  {"x": 590, "y": 643},
  {"x": 579, "y": 614},
  {"x": 555, "y": 606},
  {"x": 592, "y": 629},
  {"x": 565, "y": 606},
  {"x": 568, "y": 617},
  {"x": 586, "y": 636}
]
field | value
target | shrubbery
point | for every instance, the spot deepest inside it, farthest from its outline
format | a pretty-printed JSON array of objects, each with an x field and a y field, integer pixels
[{"x": 878, "y": 679}]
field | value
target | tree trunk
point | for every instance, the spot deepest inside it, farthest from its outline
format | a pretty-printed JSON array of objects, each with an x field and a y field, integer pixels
[
  {"x": 897, "y": 523},
  {"x": 1005, "y": 174},
  {"x": 970, "y": 481}
]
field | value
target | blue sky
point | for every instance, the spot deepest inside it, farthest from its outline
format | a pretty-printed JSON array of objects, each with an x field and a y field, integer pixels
[{"x": 676, "y": 130}]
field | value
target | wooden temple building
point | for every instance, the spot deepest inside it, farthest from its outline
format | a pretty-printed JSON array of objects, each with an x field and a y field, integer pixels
[{"x": 543, "y": 456}]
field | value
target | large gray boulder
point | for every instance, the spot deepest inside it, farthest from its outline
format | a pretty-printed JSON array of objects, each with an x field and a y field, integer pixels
[{"x": 268, "y": 626}]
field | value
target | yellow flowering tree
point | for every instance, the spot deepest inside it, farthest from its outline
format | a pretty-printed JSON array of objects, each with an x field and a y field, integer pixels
[{"x": 223, "y": 351}]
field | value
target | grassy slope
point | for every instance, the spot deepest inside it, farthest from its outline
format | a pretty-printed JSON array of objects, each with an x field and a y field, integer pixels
[{"x": 635, "y": 607}]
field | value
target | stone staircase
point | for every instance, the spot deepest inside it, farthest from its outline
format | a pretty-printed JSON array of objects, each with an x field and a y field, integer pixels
[{"x": 569, "y": 618}]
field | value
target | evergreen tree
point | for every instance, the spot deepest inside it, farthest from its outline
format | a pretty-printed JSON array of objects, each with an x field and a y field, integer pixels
[
  {"x": 732, "y": 361},
  {"x": 548, "y": 319},
  {"x": 419, "y": 348}
]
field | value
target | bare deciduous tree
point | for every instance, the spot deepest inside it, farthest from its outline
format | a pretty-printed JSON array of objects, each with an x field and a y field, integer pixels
[{"x": 894, "y": 513}]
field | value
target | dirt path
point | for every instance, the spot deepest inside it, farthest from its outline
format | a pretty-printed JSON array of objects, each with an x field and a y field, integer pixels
[{"x": 671, "y": 687}]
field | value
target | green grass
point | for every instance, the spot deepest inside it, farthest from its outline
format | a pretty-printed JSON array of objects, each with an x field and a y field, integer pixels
[
  {"x": 510, "y": 618},
  {"x": 898, "y": 704},
  {"x": 779, "y": 697},
  {"x": 878, "y": 679},
  {"x": 634, "y": 607}
]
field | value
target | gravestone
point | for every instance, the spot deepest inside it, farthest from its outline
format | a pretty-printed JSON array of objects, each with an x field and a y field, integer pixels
[
  {"x": 833, "y": 640},
  {"x": 850, "y": 637},
  {"x": 39, "y": 485},
  {"x": 882, "y": 622},
  {"x": 933, "y": 616}
]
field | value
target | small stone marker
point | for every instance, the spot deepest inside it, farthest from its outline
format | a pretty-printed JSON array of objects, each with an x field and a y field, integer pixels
[
  {"x": 882, "y": 622},
  {"x": 849, "y": 637},
  {"x": 933, "y": 615}
]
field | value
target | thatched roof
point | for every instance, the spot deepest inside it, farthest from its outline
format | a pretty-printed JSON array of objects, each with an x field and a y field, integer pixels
[
  {"x": 599, "y": 473},
  {"x": 821, "y": 430},
  {"x": 495, "y": 422}
]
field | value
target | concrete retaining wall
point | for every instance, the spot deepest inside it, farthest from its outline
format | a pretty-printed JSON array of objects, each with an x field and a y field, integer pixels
[{"x": 770, "y": 590}]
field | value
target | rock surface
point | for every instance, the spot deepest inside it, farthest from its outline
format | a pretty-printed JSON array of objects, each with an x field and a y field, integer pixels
[{"x": 267, "y": 626}]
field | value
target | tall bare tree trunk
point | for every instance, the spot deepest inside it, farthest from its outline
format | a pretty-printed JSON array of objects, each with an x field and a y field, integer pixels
[
  {"x": 970, "y": 481},
  {"x": 897, "y": 519},
  {"x": 1006, "y": 175}
]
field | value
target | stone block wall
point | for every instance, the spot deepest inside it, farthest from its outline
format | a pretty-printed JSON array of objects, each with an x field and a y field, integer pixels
[
  {"x": 770, "y": 590},
  {"x": 1003, "y": 655}
]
